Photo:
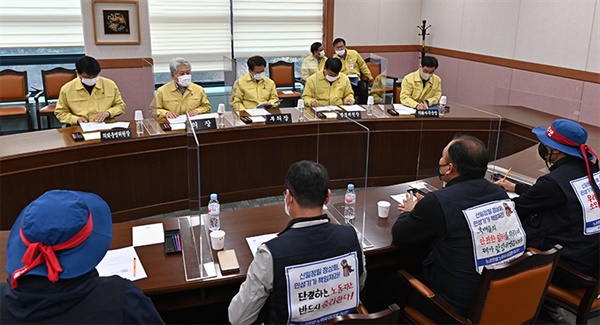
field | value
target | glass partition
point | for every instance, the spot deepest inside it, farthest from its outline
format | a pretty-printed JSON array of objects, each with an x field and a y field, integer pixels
[
  {"x": 382, "y": 89},
  {"x": 151, "y": 119},
  {"x": 232, "y": 95}
]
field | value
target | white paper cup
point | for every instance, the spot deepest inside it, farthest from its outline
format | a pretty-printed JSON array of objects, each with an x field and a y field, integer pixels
[
  {"x": 383, "y": 209},
  {"x": 217, "y": 239}
]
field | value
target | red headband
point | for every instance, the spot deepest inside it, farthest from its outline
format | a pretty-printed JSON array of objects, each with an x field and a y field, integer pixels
[{"x": 47, "y": 253}]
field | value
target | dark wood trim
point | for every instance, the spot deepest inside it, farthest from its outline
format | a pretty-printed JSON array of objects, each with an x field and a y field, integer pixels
[
  {"x": 386, "y": 48},
  {"x": 328, "y": 13},
  {"x": 126, "y": 63}
]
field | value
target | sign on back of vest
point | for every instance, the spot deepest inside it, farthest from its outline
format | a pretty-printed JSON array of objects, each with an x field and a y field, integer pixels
[
  {"x": 496, "y": 232},
  {"x": 589, "y": 203},
  {"x": 321, "y": 290}
]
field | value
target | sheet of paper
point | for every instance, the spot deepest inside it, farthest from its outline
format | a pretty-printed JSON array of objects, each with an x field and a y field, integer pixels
[
  {"x": 148, "y": 234},
  {"x": 399, "y": 197},
  {"x": 102, "y": 126},
  {"x": 257, "y": 119},
  {"x": 120, "y": 262},
  {"x": 404, "y": 110},
  {"x": 353, "y": 108},
  {"x": 256, "y": 241},
  {"x": 512, "y": 195},
  {"x": 288, "y": 92},
  {"x": 91, "y": 136},
  {"x": 204, "y": 116},
  {"x": 178, "y": 119},
  {"x": 258, "y": 112},
  {"x": 210, "y": 269},
  {"x": 330, "y": 114},
  {"x": 418, "y": 185},
  {"x": 177, "y": 126},
  {"x": 326, "y": 108}
]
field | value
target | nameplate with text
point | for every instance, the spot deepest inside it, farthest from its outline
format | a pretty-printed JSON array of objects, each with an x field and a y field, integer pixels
[
  {"x": 117, "y": 134},
  {"x": 355, "y": 115},
  {"x": 427, "y": 113},
  {"x": 204, "y": 124},
  {"x": 278, "y": 118}
]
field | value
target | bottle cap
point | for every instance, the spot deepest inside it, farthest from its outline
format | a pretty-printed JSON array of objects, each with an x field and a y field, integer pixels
[
  {"x": 139, "y": 115},
  {"x": 221, "y": 108},
  {"x": 300, "y": 103},
  {"x": 370, "y": 100},
  {"x": 213, "y": 196},
  {"x": 350, "y": 186},
  {"x": 443, "y": 100}
]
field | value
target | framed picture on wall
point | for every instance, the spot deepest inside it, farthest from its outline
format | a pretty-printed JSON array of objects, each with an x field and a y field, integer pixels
[{"x": 116, "y": 22}]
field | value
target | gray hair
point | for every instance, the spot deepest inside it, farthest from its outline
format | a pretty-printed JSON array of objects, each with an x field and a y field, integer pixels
[{"x": 176, "y": 62}]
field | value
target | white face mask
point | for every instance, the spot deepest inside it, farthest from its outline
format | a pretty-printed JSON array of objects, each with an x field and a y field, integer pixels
[
  {"x": 90, "y": 81},
  {"x": 258, "y": 76},
  {"x": 330, "y": 78},
  {"x": 184, "y": 80},
  {"x": 286, "y": 207},
  {"x": 426, "y": 76},
  {"x": 340, "y": 52},
  {"x": 322, "y": 53}
]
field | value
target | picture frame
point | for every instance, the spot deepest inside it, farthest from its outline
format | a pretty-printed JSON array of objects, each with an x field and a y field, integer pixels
[{"x": 116, "y": 22}]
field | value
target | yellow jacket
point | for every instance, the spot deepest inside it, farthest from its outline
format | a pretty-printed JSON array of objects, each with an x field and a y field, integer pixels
[
  {"x": 169, "y": 99},
  {"x": 354, "y": 64},
  {"x": 414, "y": 93},
  {"x": 247, "y": 93},
  {"x": 327, "y": 93},
  {"x": 310, "y": 66},
  {"x": 75, "y": 101}
]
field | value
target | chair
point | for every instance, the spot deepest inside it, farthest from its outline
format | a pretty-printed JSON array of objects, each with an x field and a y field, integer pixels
[
  {"x": 386, "y": 316},
  {"x": 282, "y": 74},
  {"x": 52, "y": 81},
  {"x": 585, "y": 302},
  {"x": 510, "y": 293},
  {"x": 374, "y": 66},
  {"x": 13, "y": 89}
]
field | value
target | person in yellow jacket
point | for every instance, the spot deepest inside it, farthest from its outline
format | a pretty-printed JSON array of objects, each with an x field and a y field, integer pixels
[
  {"x": 328, "y": 86},
  {"x": 89, "y": 98},
  {"x": 354, "y": 64},
  {"x": 314, "y": 62},
  {"x": 254, "y": 89},
  {"x": 422, "y": 89},
  {"x": 182, "y": 95}
]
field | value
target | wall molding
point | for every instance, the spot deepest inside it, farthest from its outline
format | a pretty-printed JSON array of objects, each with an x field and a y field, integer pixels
[{"x": 126, "y": 63}]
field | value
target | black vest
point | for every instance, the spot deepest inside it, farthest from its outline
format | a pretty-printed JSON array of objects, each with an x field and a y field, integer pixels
[
  {"x": 302, "y": 245},
  {"x": 564, "y": 225},
  {"x": 450, "y": 267}
]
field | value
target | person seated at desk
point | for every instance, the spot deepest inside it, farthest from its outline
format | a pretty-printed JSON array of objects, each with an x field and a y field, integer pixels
[
  {"x": 354, "y": 64},
  {"x": 254, "y": 88},
  {"x": 437, "y": 221},
  {"x": 328, "y": 86},
  {"x": 89, "y": 98},
  {"x": 51, "y": 256},
  {"x": 314, "y": 62},
  {"x": 182, "y": 95},
  {"x": 284, "y": 265},
  {"x": 552, "y": 208},
  {"x": 422, "y": 88}
]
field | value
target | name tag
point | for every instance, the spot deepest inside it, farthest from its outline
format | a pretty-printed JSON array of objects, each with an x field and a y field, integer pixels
[
  {"x": 204, "y": 124},
  {"x": 589, "y": 203},
  {"x": 427, "y": 113},
  {"x": 115, "y": 134},
  {"x": 496, "y": 232},
  {"x": 321, "y": 290},
  {"x": 355, "y": 115},
  {"x": 278, "y": 118}
]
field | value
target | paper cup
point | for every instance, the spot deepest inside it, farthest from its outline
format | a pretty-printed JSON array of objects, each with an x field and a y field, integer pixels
[
  {"x": 217, "y": 239},
  {"x": 383, "y": 209}
]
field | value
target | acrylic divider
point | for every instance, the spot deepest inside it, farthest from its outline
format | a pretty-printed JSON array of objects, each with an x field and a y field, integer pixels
[{"x": 382, "y": 88}]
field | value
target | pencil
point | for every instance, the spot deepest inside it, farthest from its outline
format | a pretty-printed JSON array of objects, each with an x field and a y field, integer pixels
[
  {"x": 134, "y": 266},
  {"x": 505, "y": 176}
]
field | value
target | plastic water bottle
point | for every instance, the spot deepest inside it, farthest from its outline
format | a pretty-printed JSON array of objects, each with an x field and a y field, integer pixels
[
  {"x": 350, "y": 200},
  {"x": 221, "y": 113},
  {"x": 214, "y": 209},
  {"x": 442, "y": 105},
  {"x": 370, "y": 102},
  {"x": 300, "y": 110},
  {"x": 139, "y": 122}
]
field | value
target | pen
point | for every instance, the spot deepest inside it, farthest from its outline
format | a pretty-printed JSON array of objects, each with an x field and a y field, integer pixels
[
  {"x": 505, "y": 176},
  {"x": 134, "y": 266}
]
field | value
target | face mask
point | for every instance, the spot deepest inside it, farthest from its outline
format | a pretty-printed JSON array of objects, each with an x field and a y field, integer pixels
[
  {"x": 258, "y": 76},
  {"x": 89, "y": 81},
  {"x": 184, "y": 80},
  {"x": 542, "y": 151},
  {"x": 322, "y": 53},
  {"x": 286, "y": 207},
  {"x": 440, "y": 174},
  {"x": 330, "y": 78},
  {"x": 340, "y": 52},
  {"x": 426, "y": 76}
]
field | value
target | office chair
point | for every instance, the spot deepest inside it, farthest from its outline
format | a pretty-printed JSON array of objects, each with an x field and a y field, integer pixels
[
  {"x": 509, "y": 293},
  {"x": 282, "y": 73},
  {"x": 52, "y": 80},
  {"x": 585, "y": 302},
  {"x": 380, "y": 86},
  {"x": 13, "y": 89},
  {"x": 386, "y": 316}
]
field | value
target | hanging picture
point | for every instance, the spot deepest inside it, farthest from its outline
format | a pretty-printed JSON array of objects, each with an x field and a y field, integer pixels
[{"x": 116, "y": 22}]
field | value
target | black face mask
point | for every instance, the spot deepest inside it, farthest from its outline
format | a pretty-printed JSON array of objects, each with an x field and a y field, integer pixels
[{"x": 542, "y": 151}]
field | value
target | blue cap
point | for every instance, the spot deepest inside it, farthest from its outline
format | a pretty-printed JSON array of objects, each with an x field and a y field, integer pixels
[
  {"x": 564, "y": 135},
  {"x": 213, "y": 196},
  {"x": 350, "y": 186}
]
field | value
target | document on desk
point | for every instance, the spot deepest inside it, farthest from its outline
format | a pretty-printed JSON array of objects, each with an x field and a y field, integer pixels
[
  {"x": 102, "y": 126},
  {"x": 178, "y": 119},
  {"x": 204, "y": 116},
  {"x": 353, "y": 108},
  {"x": 258, "y": 112},
  {"x": 148, "y": 234},
  {"x": 326, "y": 108},
  {"x": 91, "y": 136},
  {"x": 256, "y": 241},
  {"x": 404, "y": 110},
  {"x": 121, "y": 262}
]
